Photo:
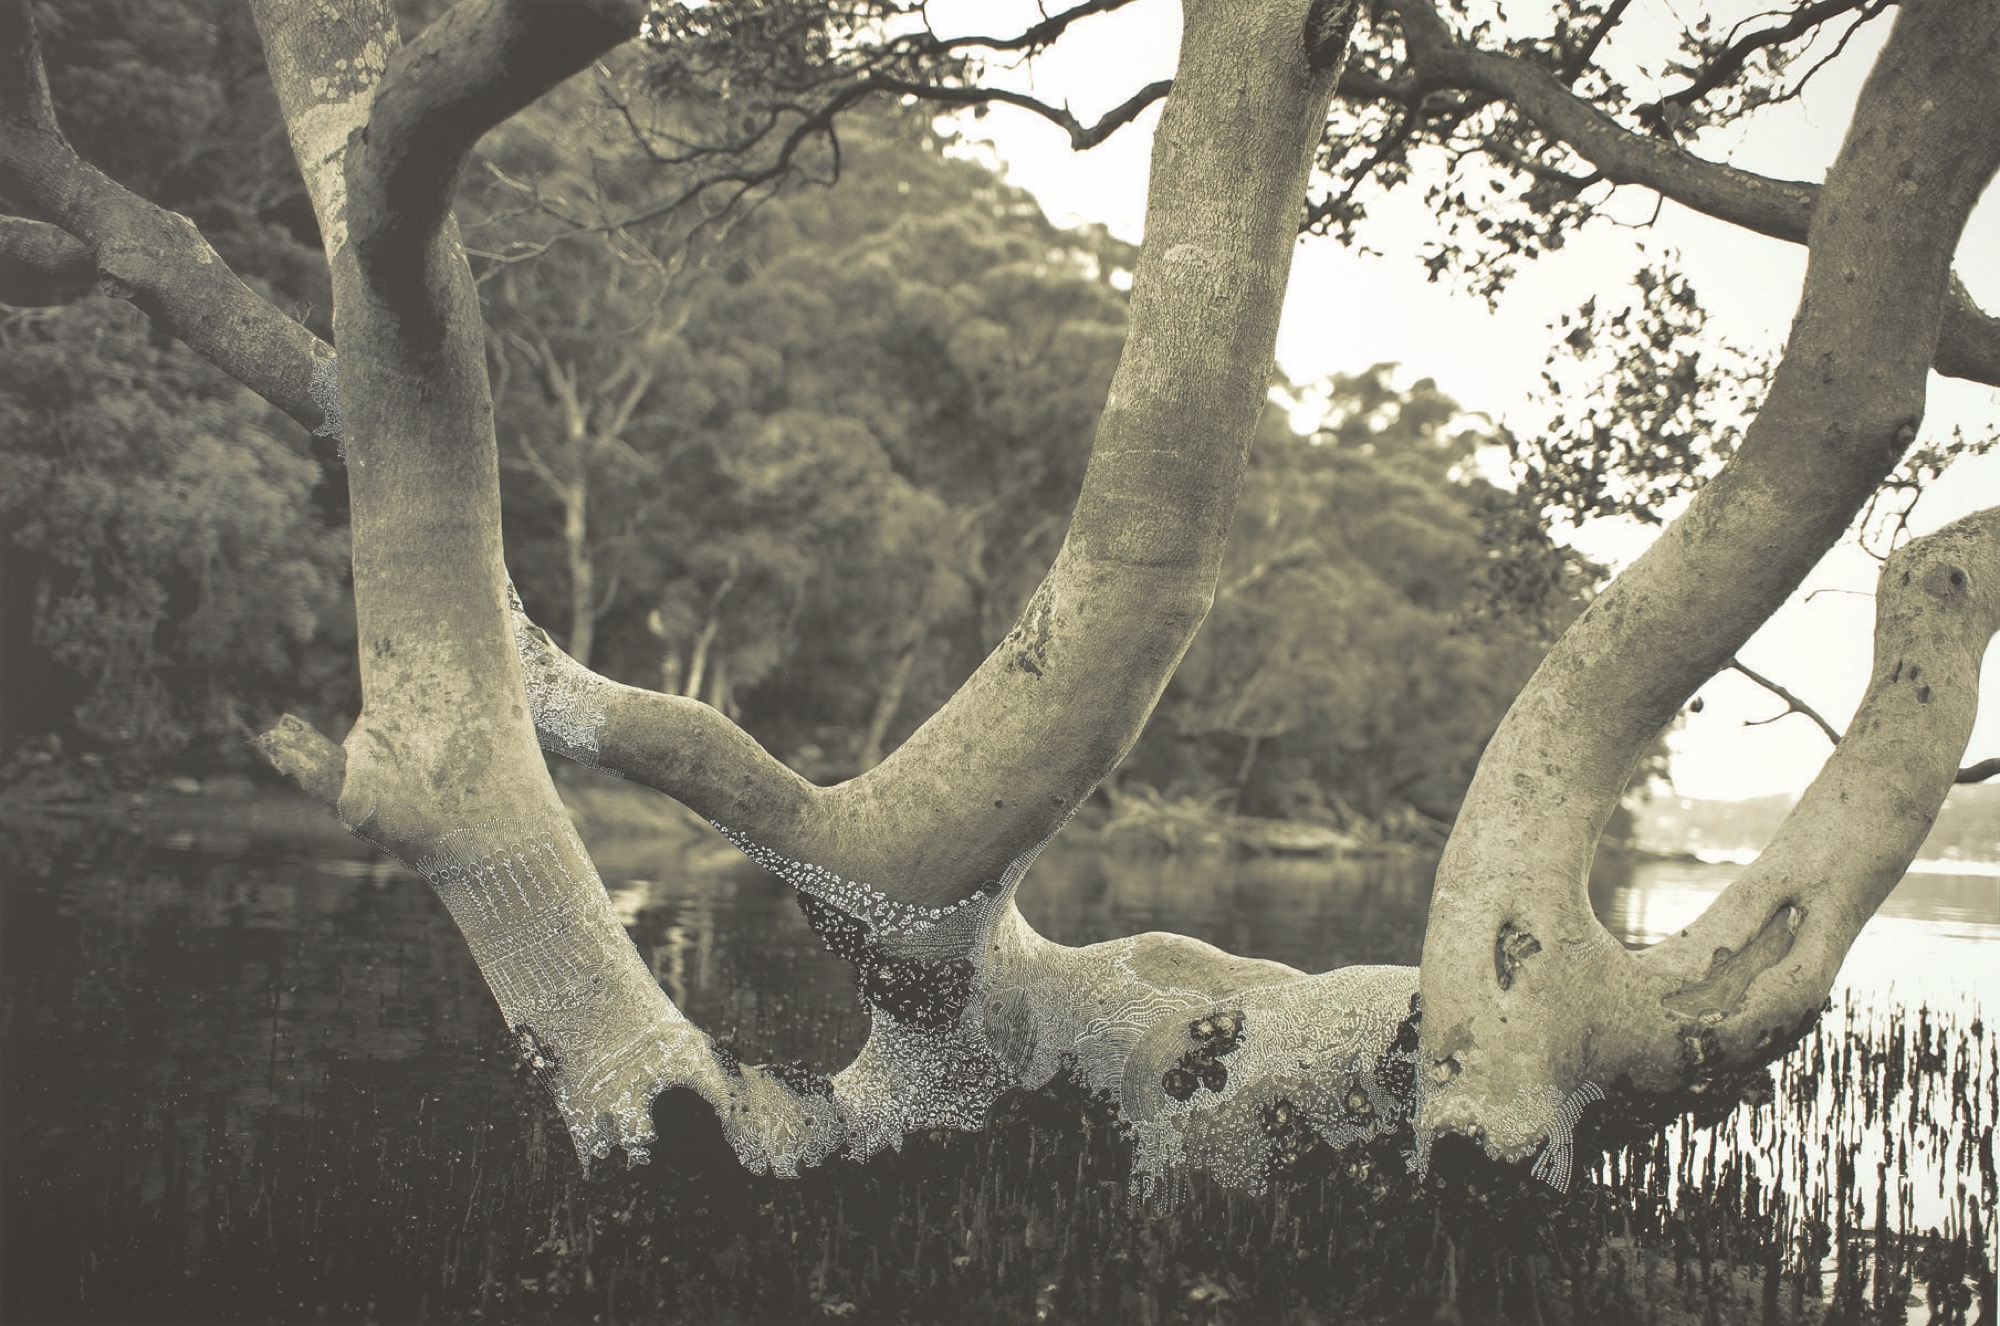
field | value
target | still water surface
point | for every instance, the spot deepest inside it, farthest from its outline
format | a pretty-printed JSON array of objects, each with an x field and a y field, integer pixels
[{"x": 252, "y": 1077}]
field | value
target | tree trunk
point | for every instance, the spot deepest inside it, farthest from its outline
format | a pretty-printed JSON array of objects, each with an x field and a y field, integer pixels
[
  {"x": 888, "y": 702},
  {"x": 583, "y": 605}
]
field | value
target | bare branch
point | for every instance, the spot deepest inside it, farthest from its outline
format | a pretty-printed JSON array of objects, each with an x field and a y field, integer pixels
[
  {"x": 1980, "y": 772},
  {"x": 1729, "y": 61},
  {"x": 1793, "y": 704},
  {"x": 142, "y": 252},
  {"x": 477, "y": 65},
  {"x": 1968, "y": 341},
  {"x": 1841, "y": 409},
  {"x": 1081, "y": 136},
  {"x": 1579, "y": 58},
  {"x": 1032, "y": 38},
  {"x": 24, "y": 83},
  {"x": 1856, "y": 829}
]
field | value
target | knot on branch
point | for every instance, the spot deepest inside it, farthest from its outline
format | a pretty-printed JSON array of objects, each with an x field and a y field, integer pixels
[{"x": 296, "y": 749}]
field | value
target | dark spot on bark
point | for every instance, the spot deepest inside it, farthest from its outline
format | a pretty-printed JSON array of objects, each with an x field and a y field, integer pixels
[
  {"x": 384, "y": 647},
  {"x": 1916, "y": 671},
  {"x": 1897, "y": 673},
  {"x": 1957, "y": 578},
  {"x": 1700, "y": 1048},
  {"x": 1923, "y": 695},
  {"x": 1513, "y": 947},
  {"x": 1292, "y": 1138},
  {"x": 923, "y": 992},
  {"x": 1906, "y": 577},
  {"x": 998, "y": 804},
  {"x": 1214, "y": 1036}
]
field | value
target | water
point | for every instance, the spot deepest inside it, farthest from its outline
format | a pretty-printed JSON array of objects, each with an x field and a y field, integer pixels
[{"x": 257, "y": 1077}]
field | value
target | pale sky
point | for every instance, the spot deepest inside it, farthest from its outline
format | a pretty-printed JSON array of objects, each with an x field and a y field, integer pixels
[{"x": 1348, "y": 311}]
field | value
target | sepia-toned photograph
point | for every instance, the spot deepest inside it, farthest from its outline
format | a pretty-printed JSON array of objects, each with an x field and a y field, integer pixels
[{"x": 1000, "y": 662}]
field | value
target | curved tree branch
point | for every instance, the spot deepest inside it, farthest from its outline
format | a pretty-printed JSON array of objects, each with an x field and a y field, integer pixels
[
  {"x": 1082, "y": 137},
  {"x": 1856, "y": 829},
  {"x": 145, "y": 253},
  {"x": 1843, "y": 406},
  {"x": 1968, "y": 344},
  {"x": 1729, "y": 61}
]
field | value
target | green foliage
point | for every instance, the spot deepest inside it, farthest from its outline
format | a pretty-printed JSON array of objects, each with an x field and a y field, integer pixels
[{"x": 169, "y": 567}]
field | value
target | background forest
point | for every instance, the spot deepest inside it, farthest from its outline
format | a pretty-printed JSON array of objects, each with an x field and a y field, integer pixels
[{"x": 803, "y": 462}]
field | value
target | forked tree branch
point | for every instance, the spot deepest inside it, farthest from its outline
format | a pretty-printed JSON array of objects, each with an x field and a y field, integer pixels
[
  {"x": 1977, "y": 772},
  {"x": 1039, "y": 724},
  {"x": 1793, "y": 704},
  {"x": 1843, "y": 406},
  {"x": 1856, "y": 829}
]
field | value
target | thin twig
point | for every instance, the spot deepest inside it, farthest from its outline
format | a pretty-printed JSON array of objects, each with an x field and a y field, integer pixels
[{"x": 1793, "y": 704}]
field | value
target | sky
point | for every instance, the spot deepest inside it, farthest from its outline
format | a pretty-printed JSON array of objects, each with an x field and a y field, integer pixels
[{"x": 1349, "y": 310}]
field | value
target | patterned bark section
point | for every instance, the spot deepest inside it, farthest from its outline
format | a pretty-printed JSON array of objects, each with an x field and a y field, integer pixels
[
  {"x": 1211, "y": 1064},
  {"x": 562, "y": 986}
]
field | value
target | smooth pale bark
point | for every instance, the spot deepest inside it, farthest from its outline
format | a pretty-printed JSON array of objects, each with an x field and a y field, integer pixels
[
  {"x": 442, "y": 779},
  {"x": 1038, "y": 725},
  {"x": 1523, "y": 988},
  {"x": 442, "y": 768}
]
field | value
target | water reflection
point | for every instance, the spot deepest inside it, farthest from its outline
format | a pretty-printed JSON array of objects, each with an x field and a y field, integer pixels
[{"x": 249, "y": 1077}]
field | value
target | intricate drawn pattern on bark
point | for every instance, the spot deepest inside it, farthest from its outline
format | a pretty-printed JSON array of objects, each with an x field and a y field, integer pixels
[
  {"x": 1211, "y": 1064},
  {"x": 565, "y": 699},
  {"x": 325, "y": 393},
  {"x": 560, "y": 982},
  {"x": 864, "y": 904},
  {"x": 1556, "y": 1166}
]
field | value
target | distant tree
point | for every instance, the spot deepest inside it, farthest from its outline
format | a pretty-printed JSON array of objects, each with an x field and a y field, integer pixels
[
  {"x": 1526, "y": 1013},
  {"x": 170, "y": 568},
  {"x": 1361, "y": 649},
  {"x": 823, "y": 457}
]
